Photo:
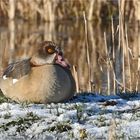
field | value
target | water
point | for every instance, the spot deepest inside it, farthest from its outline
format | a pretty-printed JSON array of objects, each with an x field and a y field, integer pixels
[{"x": 18, "y": 38}]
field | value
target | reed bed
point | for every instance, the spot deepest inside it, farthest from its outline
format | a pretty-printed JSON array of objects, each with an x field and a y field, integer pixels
[
  {"x": 105, "y": 33},
  {"x": 52, "y": 10}
]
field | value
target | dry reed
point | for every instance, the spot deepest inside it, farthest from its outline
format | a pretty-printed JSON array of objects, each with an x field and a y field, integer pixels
[
  {"x": 87, "y": 52},
  {"x": 76, "y": 78},
  {"x": 108, "y": 65},
  {"x": 128, "y": 57},
  {"x": 113, "y": 54},
  {"x": 112, "y": 130},
  {"x": 122, "y": 41},
  {"x": 46, "y": 10},
  {"x": 11, "y": 11}
]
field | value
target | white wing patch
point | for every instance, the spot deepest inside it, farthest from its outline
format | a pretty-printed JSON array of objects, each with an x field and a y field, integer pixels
[
  {"x": 14, "y": 81},
  {"x": 4, "y": 77}
]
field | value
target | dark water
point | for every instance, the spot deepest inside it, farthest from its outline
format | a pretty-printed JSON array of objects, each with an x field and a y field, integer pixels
[{"x": 18, "y": 38}]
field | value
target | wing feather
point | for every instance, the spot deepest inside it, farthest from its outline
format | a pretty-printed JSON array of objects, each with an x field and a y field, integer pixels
[{"x": 18, "y": 69}]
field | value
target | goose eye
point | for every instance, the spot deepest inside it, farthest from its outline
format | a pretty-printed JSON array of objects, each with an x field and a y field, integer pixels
[{"x": 50, "y": 50}]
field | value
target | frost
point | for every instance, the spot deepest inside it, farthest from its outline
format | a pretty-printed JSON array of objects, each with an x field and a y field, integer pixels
[{"x": 86, "y": 116}]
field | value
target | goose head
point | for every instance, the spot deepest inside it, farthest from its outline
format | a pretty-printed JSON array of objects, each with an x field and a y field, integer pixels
[{"x": 48, "y": 53}]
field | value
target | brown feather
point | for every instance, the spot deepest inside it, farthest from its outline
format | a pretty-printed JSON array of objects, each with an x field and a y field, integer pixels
[{"x": 18, "y": 69}]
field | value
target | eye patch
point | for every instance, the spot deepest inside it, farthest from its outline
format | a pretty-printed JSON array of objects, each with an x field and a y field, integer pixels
[{"x": 50, "y": 49}]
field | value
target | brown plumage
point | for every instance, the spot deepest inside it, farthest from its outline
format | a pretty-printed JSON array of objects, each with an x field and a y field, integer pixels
[{"x": 43, "y": 78}]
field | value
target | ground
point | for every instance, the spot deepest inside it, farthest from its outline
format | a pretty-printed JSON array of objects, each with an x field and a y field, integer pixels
[{"x": 87, "y": 116}]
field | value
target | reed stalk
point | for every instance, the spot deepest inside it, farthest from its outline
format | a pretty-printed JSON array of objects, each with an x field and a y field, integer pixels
[
  {"x": 138, "y": 69},
  {"x": 87, "y": 52},
  {"x": 128, "y": 58},
  {"x": 90, "y": 11},
  {"x": 11, "y": 15},
  {"x": 113, "y": 53},
  {"x": 139, "y": 45},
  {"x": 49, "y": 13},
  {"x": 114, "y": 75},
  {"x": 11, "y": 11},
  {"x": 119, "y": 29},
  {"x": 123, "y": 68},
  {"x": 12, "y": 40},
  {"x": 112, "y": 134},
  {"x": 137, "y": 82},
  {"x": 108, "y": 65},
  {"x": 2, "y": 48},
  {"x": 122, "y": 41},
  {"x": 113, "y": 39},
  {"x": 76, "y": 78}
]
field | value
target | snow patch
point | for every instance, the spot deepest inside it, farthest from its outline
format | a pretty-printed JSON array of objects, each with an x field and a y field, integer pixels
[{"x": 87, "y": 116}]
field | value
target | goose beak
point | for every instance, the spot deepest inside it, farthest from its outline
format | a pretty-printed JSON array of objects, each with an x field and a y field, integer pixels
[{"x": 59, "y": 59}]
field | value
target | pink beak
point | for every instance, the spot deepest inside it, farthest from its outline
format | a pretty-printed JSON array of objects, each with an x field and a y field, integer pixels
[{"x": 61, "y": 61}]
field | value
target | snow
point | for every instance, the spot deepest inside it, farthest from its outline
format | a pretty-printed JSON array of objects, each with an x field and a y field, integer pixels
[{"x": 87, "y": 116}]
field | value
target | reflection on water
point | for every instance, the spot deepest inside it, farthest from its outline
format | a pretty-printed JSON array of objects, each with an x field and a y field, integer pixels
[{"x": 18, "y": 39}]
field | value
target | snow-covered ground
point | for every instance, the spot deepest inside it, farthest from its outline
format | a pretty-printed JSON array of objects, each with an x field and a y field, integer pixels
[{"x": 86, "y": 116}]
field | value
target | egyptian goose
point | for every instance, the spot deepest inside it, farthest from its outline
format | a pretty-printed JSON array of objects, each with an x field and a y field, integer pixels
[{"x": 43, "y": 78}]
